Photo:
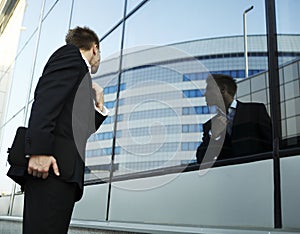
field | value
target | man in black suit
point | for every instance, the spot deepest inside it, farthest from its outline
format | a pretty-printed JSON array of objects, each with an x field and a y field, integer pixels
[
  {"x": 238, "y": 128},
  {"x": 67, "y": 108}
]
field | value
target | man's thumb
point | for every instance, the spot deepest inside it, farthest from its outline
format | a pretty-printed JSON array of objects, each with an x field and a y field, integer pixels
[{"x": 55, "y": 167}]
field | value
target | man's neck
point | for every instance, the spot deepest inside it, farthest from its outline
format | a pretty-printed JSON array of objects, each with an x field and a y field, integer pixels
[
  {"x": 228, "y": 103},
  {"x": 87, "y": 55}
]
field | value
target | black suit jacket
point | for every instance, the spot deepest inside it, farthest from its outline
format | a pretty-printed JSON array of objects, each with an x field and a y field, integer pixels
[
  {"x": 251, "y": 134},
  {"x": 63, "y": 114}
]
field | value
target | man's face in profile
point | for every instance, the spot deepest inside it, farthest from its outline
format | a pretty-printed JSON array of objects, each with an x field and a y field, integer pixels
[
  {"x": 212, "y": 93},
  {"x": 95, "y": 61}
]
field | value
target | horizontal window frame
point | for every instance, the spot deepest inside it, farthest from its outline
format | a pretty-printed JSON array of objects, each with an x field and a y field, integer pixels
[{"x": 291, "y": 152}]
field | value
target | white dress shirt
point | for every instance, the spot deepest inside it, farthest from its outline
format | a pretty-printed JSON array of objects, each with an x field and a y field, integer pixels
[{"x": 105, "y": 111}]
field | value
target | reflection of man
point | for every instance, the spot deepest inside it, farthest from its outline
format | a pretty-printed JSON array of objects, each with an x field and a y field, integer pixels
[
  {"x": 238, "y": 128},
  {"x": 56, "y": 168}
]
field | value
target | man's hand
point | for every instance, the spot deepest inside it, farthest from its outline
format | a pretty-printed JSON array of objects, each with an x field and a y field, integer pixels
[
  {"x": 99, "y": 96},
  {"x": 218, "y": 126},
  {"x": 39, "y": 166}
]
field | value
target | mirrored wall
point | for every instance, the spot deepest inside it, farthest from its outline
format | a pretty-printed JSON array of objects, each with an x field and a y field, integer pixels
[{"x": 156, "y": 56}]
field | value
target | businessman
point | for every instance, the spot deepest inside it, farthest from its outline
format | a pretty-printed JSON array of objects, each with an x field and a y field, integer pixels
[
  {"x": 67, "y": 108},
  {"x": 237, "y": 129}
]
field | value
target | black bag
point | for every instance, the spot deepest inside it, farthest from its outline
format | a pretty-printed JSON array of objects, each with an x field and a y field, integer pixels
[{"x": 17, "y": 158}]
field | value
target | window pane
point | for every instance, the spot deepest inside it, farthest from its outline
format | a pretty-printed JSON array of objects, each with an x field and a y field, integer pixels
[
  {"x": 165, "y": 67},
  {"x": 46, "y": 47},
  {"x": 132, "y": 4},
  {"x": 100, "y": 147},
  {"x": 288, "y": 23},
  {"x": 170, "y": 47},
  {"x": 101, "y": 16}
]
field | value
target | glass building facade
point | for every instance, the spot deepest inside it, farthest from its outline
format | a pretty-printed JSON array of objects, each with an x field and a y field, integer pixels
[
  {"x": 156, "y": 56},
  {"x": 161, "y": 106}
]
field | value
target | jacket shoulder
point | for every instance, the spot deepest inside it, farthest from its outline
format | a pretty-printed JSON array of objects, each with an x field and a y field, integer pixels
[
  {"x": 251, "y": 104},
  {"x": 67, "y": 56},
  {"x": 67, "y": 47},
  {"x": 66, "y": 51}
]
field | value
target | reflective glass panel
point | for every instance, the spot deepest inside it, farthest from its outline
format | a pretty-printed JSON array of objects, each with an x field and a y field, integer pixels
[
  {"x": 164, "y": 68},
  {"x": 288, "y": 23}
]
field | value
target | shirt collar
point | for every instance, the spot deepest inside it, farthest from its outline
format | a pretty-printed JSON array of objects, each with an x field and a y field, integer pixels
[
  {"x": 87, "y": 62},
  {"x": 232, "y": 107},
  {"x": 233, "y": 104}
]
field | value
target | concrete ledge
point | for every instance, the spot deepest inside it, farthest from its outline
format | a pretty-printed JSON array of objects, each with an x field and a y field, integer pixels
[
  {"x": 10, "y": 225},
  {"x": 13, "y": 225}
]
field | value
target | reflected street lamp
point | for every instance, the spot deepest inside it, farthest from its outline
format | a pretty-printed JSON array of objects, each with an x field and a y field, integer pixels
[{"x": 245, "y": 40}]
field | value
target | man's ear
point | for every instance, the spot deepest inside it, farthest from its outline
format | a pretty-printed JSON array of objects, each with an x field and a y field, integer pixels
[{"x": 95, "y": 48}]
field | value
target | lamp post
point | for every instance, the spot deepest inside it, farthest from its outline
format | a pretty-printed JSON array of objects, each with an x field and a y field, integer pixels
[{"x": 245, "y": 40}]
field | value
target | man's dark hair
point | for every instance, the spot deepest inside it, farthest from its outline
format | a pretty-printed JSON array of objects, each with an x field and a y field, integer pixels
[
  {"x": 83, "y": 38},
  {"x": 224, "y": 82}
]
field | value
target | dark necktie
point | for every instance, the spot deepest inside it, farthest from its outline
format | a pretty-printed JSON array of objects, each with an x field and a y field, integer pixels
[{"x": 230, "y": 117}]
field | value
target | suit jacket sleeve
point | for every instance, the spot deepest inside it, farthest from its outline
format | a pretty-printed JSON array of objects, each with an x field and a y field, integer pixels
[
  {"x": 59, "y": 78},
  {"x": 99, "y": 118}
]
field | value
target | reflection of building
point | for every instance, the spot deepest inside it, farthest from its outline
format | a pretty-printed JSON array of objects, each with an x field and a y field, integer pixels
[
  {"x": 10, "y": 25},
  {"x": 161, "y": 105}
]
